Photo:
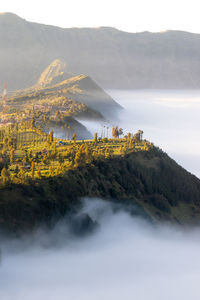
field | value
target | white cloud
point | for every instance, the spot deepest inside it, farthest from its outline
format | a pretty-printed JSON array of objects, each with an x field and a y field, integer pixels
[{"x": 126, "y": 259}]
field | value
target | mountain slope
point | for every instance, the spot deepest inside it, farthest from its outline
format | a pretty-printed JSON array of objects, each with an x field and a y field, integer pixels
[
  {"x": 56, "y": 82},
  {"x": 114, "y": 59},
  {"x": 54, "y": 70},
  {"x": 149, "y": 180}
]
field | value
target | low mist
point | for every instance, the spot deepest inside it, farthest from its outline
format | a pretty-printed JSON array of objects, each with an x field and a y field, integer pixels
[
  {"x": 169, "y": 119},
  {"x": 125, "y": 258}
]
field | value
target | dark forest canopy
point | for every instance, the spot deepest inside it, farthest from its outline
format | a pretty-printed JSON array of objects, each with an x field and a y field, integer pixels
[{"x": 150, "y": 180}]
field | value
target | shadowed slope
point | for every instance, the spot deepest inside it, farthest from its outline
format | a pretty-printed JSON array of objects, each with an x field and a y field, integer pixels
[{"x": 150, "y": 180}]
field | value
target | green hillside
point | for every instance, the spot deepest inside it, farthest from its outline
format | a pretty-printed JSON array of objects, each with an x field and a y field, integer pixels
[{"x": 128, "y": 171}]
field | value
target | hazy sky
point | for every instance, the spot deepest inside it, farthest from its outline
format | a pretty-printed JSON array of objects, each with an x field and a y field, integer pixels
[{"x": 128, "y": 15}]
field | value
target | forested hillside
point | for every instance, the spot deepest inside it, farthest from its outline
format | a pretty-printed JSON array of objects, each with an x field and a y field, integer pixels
[{"x": 142, "y": 178}]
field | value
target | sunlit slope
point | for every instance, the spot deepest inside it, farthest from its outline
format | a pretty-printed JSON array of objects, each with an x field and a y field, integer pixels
[
  {"x": 148, "y": 180},
  {"x": 114, "y": 59},
  {"x": 55, "y": 70},
  {"x": 56, "y": 82}
]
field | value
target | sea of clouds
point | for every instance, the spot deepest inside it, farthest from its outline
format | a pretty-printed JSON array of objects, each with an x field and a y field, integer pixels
[
  {"x": 169, "y": 119},
  {"x": 125, "y": 258}
]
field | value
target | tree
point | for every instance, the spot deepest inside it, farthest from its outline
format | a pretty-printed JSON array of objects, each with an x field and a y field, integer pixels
[
  {"x": 138, "y": 135},
  {"x": 129, "y": 135},
  {"x": 32, "y": 168},
  {"x": 11, "y": 156},
  {"x": 95, "y": 137},
  {"x": 54, "y": 149},
  {"x": 140, "y": 132},
  {"x": 115, "y": 132},
  {"x": 50, "y": 137},
  {"x": 88, "y": 154},
  {"x": 5, "y": 175},
  {"x": 74, "y": 137},
  {"x": 80, "y": 158}
]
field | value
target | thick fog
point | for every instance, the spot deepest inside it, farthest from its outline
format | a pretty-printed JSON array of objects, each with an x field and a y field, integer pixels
[
  {"x": 169, "y": 119},
  {"x": 126, "y": 258}
]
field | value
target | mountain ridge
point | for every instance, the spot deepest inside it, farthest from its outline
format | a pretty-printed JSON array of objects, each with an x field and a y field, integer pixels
[
  {"x": 113, "y": 58},
  {"x": 111, "y": 28},
  {"x": 56, "y": 81}
]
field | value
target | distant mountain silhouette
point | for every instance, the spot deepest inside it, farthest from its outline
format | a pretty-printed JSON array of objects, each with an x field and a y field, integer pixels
[
  {"x": 55, "y": 81},
  {"x": 85, "y": 90},
  {"x": 114, "y": 59}
]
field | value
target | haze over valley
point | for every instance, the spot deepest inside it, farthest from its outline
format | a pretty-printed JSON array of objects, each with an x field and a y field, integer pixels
[
  {"x": 99, "y": 159},
  {"x": 113, "y": 58},
  {"x": 170, "y": 118},
  {"x": 126, "y": 257}
]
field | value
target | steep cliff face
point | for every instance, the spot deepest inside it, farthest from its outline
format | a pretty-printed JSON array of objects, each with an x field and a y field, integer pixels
[
  {"x": 54, "y": 70},
  {"x": 55, "y": 81},
  {"x": 86, "y": 90},
  {"x": 159, "y": 187}
]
